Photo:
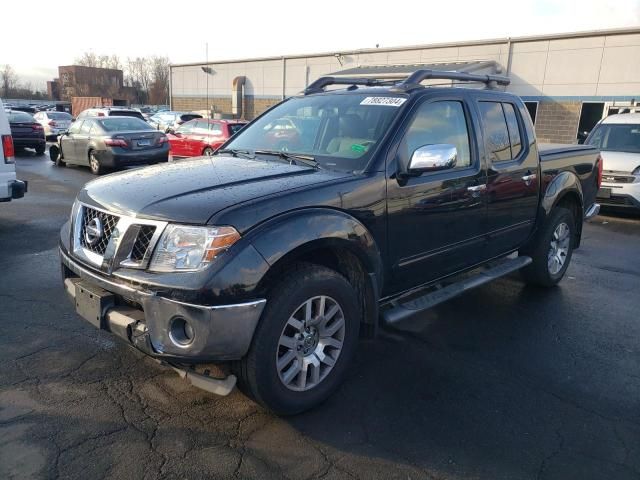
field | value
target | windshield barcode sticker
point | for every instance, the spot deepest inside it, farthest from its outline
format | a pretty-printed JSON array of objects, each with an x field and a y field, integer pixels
[{"x": 386, "y": 101}]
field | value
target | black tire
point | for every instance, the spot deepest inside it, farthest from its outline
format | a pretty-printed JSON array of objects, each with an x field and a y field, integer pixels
[
  {"x": 41, "y": 149},
  {"x": 207, "y": 152},
  {"x": 258, "y": 374},
  {"x": 55, "y": 156},
  {"x": 539, "y": 271},
  {"x": 94, "y": 164}
]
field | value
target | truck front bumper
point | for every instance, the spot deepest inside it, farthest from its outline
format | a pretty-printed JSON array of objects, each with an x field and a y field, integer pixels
[{"x": 155, "y": 325}]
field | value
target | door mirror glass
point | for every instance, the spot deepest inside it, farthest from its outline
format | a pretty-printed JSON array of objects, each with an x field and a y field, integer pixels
[{"x": 431, "y": 158}]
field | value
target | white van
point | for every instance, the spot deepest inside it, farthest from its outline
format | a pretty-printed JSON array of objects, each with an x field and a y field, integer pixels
[{"x": 10, "y": 188}]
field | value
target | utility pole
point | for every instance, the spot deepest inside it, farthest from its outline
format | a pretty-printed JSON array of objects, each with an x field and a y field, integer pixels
[{"x": 206, "y": 47}]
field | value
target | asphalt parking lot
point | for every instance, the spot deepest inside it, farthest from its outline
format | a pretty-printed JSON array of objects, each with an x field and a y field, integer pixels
[{"x": 506, "y": 382}]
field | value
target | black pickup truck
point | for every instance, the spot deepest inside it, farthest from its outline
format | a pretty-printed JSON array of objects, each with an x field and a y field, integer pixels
[{"x": 336, "y": 211}]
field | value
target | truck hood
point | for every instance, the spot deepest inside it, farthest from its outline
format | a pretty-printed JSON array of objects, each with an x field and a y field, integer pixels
[
  {"x": 620, "y": 161},
  {"x": 192, "y": 191}
]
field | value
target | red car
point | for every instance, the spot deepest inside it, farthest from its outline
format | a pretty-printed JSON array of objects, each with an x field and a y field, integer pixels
[{"x": 202, "y": 136}]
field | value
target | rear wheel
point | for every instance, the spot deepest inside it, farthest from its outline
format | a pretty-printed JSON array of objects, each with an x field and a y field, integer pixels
[
  {"x": 94, "y": 163},
  {"x": 207, "y": 152},
  {"x": 304, "y": 342},
  {"x": 552, "y": 250},
  {"x": 40, "y": 149}
]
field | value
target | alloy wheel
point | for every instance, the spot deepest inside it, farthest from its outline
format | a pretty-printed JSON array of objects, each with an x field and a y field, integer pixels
[
  {"x": 560, "y": 242},
  {"x": 310, "y": 343}
]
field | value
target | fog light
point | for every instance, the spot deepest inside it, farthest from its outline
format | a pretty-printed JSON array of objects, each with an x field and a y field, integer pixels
[{"x": 181, "y": 332}]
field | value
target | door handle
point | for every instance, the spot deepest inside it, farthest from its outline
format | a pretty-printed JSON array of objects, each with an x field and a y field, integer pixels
[
  {"x": 477, "y": 188},
  {"x": 527, "y": 179}
]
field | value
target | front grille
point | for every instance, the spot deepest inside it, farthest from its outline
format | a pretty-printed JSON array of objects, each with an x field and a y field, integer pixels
[
  {"x": 108, "y": 225},
  {"x": 142, "y": 242}
]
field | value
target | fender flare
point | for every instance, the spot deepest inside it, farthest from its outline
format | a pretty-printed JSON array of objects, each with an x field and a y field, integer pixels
[
  {"x": 312, "y": 228},
  {"x": 563, "y": 184}
]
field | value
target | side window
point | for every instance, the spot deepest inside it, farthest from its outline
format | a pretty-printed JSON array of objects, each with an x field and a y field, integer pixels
[
  {"x": 75, "y": 126},
  {"x": 514, "y": 129},
  {"x": 216, "y": 129},
  {"x": 439, "y": 122},
  {"x": 86, "y": 127},
  {"x": 187, "y": 127},
  {"x": 496, "y": 134}
]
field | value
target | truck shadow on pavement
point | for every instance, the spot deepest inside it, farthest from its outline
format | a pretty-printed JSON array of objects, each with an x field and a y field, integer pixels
[{"x": 477, "y": 388}]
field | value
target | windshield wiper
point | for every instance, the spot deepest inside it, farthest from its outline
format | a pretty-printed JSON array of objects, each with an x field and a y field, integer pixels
[
  {"x": 236, "y": 153},
  {"x": 307, "y": 160}
]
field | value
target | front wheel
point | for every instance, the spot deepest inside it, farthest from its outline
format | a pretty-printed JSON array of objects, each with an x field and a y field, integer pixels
[
  {"x": 552, "y": 250},
  {"x": 304, "y": 342}
]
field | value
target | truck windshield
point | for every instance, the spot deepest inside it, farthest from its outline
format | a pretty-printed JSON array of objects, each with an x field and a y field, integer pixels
[
  {"x": 339, "y": 130},
  {"x": 617, "y": 137}
]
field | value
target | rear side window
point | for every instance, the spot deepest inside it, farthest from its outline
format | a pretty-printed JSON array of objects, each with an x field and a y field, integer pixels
[
  {"x": 216, "y": 129},
  {"x": 514, "y": 129},
  {"x": 496, "y": 134}
]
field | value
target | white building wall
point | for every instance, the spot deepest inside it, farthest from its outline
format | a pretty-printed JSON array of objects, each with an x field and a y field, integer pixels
[{"x": 591, "y": 66}]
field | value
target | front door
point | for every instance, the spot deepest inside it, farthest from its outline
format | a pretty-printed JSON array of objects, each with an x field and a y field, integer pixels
[
  {"x": 68, "y": 142},
  {"x": 513, "y": 182},
  {"x": 436, "y": 220},
  {"x": 81, "y": 143}
]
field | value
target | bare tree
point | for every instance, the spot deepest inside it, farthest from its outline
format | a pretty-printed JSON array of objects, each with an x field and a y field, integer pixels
[
  {"x": 8, "y": 79},
  {"x": 159, "y": 92},
  {"x": 88, "y": 59}
]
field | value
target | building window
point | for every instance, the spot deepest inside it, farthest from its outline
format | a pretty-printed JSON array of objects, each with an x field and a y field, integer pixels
[
  {"x": 590, "y": 114},
  {"x": 532, "y": 108}
]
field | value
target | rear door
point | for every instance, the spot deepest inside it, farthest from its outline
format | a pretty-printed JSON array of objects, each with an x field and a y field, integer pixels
[
  {"x": 513, "y": 182},
  {"x": 437, "y": 220}
]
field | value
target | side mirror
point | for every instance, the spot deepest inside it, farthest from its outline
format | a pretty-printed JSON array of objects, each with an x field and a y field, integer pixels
[
  {"x": 431, "y": 158},
  {"x": 171, "y": 131}
]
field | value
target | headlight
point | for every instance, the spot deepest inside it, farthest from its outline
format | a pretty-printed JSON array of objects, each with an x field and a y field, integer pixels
[
  {"x": 636, "y": 172},
  {"x": 185, "y": 248}
]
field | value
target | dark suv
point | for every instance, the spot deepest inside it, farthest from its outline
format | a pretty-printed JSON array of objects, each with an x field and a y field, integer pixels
[{"x": 390, "y": 198}]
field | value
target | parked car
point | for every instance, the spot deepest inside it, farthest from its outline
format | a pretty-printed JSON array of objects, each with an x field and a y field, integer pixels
[
  {"x": 24, "y": 108},
  {"x": 53, "y": 123},
  {"x": 170, "y": 121},
  {"x": 618, "y": 137},
  {"x": 110, "y": 142},
  {"x": 27, "y": 132},
  {"x": 10, "y": 187},
  {"x": 110, "y": 112},
  {"x": 202, "y": 136},
  {"x": 271, "y": 263}
]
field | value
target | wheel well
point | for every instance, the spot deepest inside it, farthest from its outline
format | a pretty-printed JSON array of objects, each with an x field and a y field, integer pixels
[
  {"x": 343, "y": 261},
  {"x": 572, "y": 202}
]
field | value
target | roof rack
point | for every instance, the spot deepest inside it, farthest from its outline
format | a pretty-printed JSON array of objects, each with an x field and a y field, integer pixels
[
  {"x": 319, "y": 85},
  {"x": 412, "y": 82}
]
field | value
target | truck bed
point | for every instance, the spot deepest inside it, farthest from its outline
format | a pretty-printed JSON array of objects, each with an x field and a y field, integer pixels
[{"x": 556, "y": 158}]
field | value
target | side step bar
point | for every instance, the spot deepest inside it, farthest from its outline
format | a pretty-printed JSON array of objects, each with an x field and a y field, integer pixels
[{"x": 403, "y": 310}]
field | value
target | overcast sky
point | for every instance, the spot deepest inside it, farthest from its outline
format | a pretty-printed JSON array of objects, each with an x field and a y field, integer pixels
[{"x": 37, "y": 36}]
